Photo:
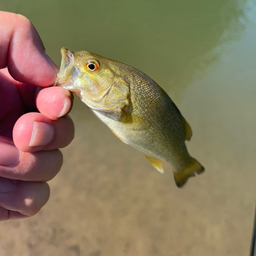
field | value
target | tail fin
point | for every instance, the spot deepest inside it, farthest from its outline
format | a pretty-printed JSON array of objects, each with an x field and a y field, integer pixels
[{"x": 182, "y": 176}]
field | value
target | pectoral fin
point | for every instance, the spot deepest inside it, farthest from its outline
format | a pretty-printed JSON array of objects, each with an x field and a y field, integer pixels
[
  {"x": 156, "y": 163},
  {"x": 116, "y": 101},
  {"x": 115, "y": 114},
  {"x": 112, "y": 102}
]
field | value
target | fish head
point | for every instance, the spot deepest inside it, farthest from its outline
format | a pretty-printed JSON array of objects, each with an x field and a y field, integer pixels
[{"x": 93, "y": 78}]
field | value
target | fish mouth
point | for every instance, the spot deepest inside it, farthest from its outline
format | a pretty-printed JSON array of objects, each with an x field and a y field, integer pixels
[
  {"x": 67, "y": 58},
  {"x": 67, "y": 71}
]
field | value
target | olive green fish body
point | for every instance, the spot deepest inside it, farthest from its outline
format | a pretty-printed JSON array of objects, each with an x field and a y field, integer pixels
[
  {"x": 134, "y": 107},
  {"x": 152, "y": 123}
]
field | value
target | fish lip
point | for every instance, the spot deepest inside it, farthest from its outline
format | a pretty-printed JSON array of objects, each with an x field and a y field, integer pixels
[
  {"x": 67, "y": 58},
  {"x": 66, "y": 67}
]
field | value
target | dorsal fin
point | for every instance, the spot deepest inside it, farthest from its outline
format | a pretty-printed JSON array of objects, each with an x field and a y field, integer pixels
[{"x": 187, "y": 128}]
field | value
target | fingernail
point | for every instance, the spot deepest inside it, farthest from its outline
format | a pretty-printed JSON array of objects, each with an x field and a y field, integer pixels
[
  {"x": 6, "y": 186},
  {"x": 42, "y": 134},
  {"x": 65, "y": 108},
  {"x": 9, "y": 155}
]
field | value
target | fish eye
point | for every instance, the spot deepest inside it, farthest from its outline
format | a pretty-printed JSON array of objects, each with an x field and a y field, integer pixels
[{"x": 92, "y": 65}]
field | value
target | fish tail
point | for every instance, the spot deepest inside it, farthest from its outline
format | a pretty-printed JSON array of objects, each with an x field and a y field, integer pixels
[{"x": 191, "y": 170}]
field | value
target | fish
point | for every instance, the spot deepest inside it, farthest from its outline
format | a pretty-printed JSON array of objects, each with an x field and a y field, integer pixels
[{"x": 135, "y": 108}]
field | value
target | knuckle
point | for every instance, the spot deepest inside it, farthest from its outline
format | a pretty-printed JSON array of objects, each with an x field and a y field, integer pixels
[
  {"x": 22, "y": 20},
  {"x": 25, "y": 200},
  {"x": 37, "y": 166},
  {"x": 35, "y": 196}
]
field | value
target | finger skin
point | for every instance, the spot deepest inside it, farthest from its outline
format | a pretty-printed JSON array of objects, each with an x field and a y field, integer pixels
[
  {"x": 36, "y": 135},
  {"x": 37, "y": 166},
  {"x": 23, "y": 199},
  {"x": 6, "y": 214},
  {"x": 17, "y": 98},
  {"x": 54, "y": 102},
  {"x": 23, "y": 52},
  {"x": 63, "y": 132},
  {"x": 11, "y": 104}
]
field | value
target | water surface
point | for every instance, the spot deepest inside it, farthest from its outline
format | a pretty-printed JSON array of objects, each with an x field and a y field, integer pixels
[{"x": 108, "y": 200}]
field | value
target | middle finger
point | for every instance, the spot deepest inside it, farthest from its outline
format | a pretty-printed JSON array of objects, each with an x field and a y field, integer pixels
[
  {"x": 35, "y": 132},
  {"x": 36, "y": 166}
]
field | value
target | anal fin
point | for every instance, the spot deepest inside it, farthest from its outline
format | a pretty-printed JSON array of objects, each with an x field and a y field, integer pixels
[{"x": 156, "y": 163}]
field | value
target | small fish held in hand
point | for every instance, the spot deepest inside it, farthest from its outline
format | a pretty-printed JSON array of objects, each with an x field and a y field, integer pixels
[{"x": 136, "y": 109}]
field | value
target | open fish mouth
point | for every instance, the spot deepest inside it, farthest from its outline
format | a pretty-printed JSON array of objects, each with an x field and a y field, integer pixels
[
  {"x": 67, "y": 58},
  {"x": 68, "y": 71}
]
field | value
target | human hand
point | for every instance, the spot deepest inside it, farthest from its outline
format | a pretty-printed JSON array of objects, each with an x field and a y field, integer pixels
[{"x": 29, "y": 140}]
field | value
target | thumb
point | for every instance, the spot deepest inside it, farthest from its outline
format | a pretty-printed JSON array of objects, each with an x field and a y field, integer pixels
[{"x": 23, "y": 52}]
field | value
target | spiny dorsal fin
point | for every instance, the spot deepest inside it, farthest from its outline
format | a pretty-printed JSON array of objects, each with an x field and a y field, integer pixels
[
  {"x": 187, "y": 128},
  {"x": 156, "y": 163}
]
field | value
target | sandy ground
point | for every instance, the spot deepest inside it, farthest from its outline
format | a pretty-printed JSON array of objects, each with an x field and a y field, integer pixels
[{"x": 108, "y": 200}]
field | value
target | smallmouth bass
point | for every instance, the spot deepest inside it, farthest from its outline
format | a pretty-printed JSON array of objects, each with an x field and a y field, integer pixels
[{"x": 135, "y": 108}]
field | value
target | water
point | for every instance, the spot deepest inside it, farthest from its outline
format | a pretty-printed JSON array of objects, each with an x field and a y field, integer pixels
[{"x": 108, "y": 200}]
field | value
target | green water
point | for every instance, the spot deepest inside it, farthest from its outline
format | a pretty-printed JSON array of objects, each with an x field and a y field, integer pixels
[{"x": 108, "y": 200}]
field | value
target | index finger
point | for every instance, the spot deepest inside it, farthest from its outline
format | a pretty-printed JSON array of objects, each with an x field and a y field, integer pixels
[{"x": 22, "y": 51}]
